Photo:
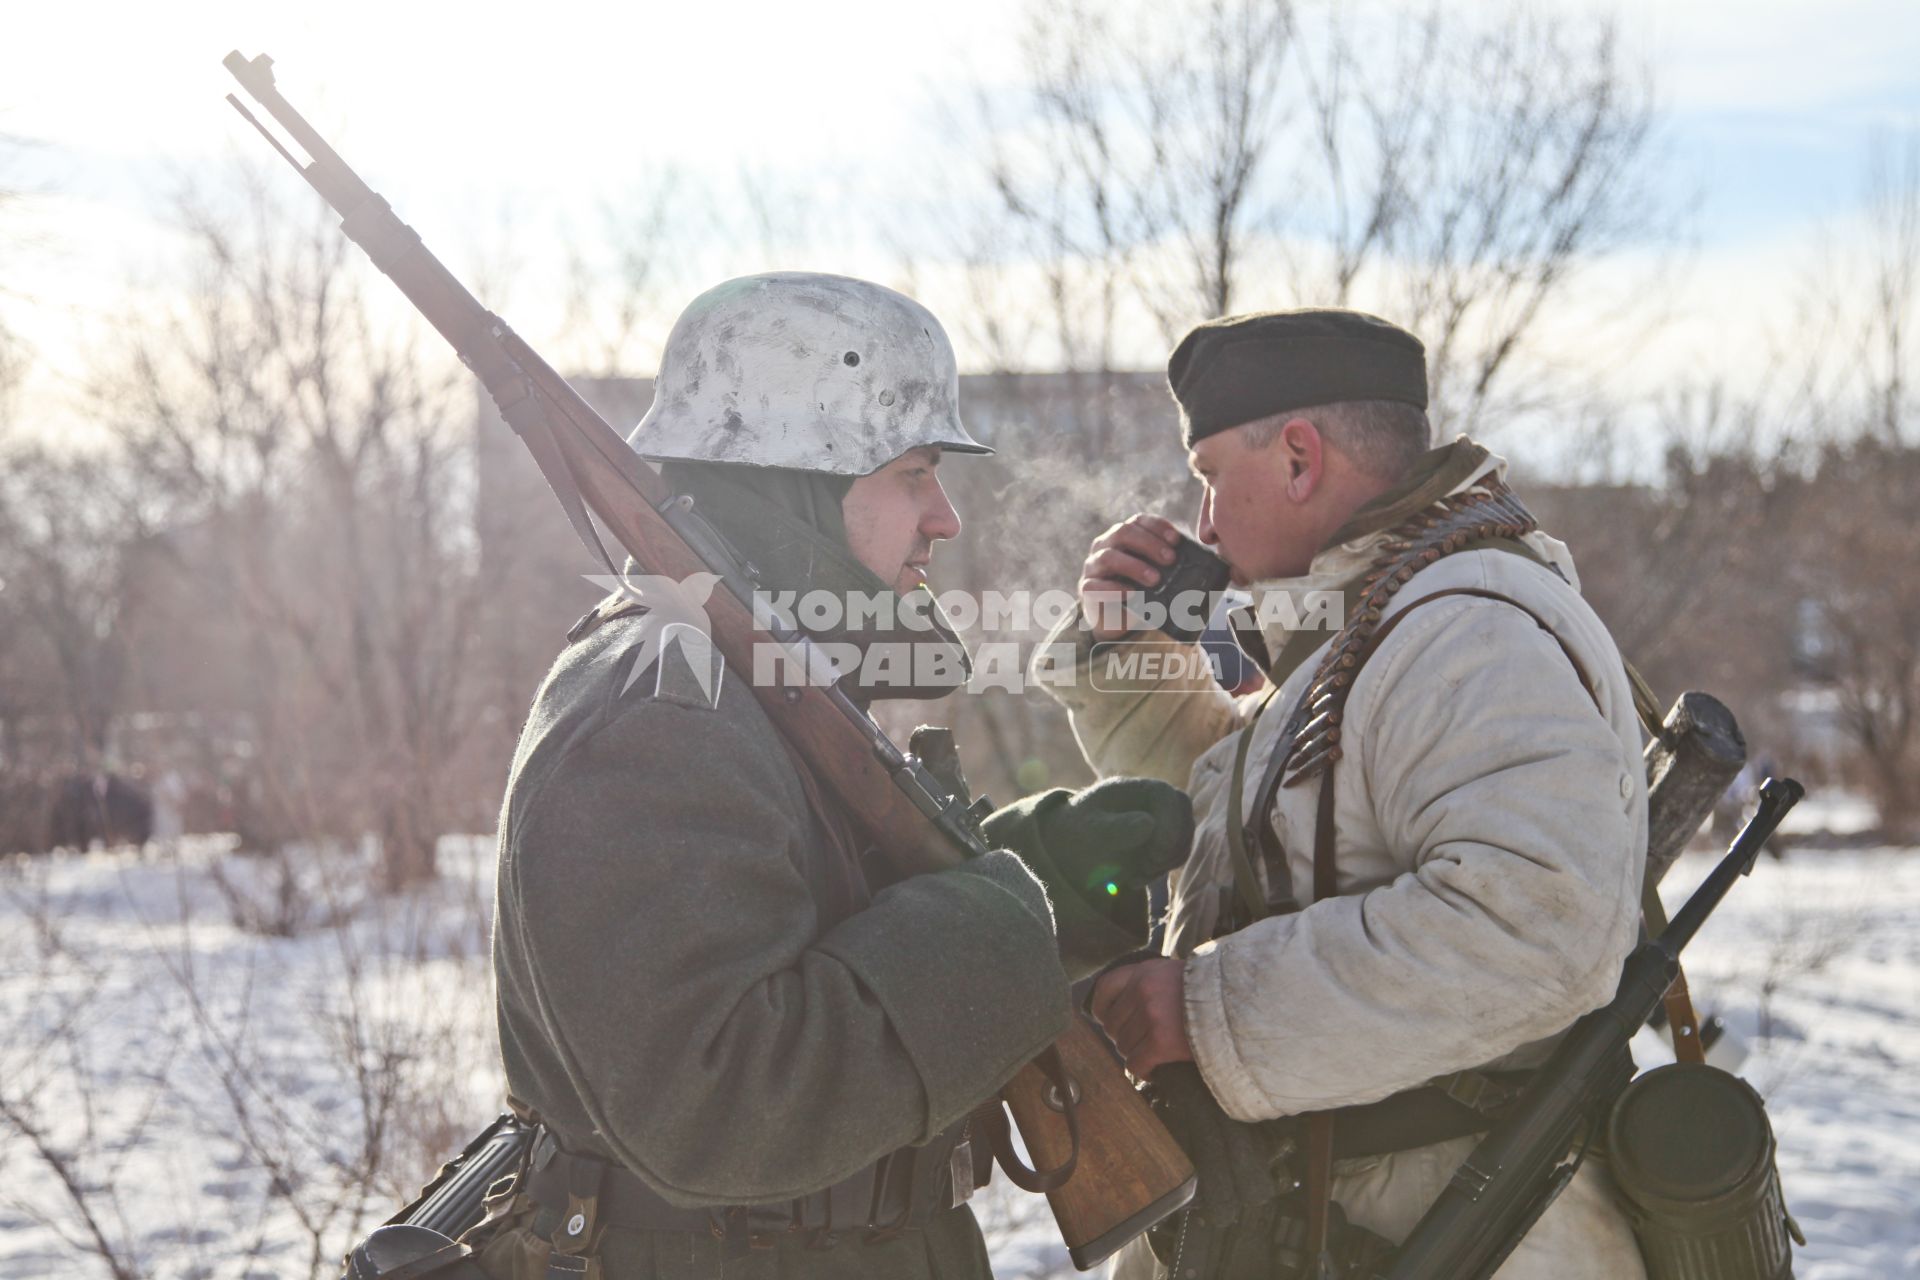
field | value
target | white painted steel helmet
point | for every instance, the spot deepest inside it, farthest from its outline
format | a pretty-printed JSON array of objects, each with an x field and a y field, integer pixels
[{"x": 805, "y": 371}]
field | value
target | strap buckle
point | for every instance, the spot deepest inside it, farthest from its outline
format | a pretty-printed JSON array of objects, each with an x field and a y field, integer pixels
[{"x": 1477, "y": 1091}]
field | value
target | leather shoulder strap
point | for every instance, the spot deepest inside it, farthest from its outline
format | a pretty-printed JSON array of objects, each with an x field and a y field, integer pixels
[
  {"x": 1386, "y": 629},
  {"x": 1324, "y": 879},
  {"x": 1319, "y": 1171},
  {"x": 1261, "y": 820},
  {"x": 1245, "y": 883}
]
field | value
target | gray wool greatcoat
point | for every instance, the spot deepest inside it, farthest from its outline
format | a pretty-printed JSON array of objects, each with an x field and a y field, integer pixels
[{"x": 686, "y": 986}]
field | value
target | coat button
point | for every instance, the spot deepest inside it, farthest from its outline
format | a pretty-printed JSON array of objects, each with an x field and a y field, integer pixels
[
  {"x": 1626, "y": 787},
  {"x": 576, "y": 1224}
]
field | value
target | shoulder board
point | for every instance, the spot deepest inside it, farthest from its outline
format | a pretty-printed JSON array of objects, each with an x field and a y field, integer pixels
[{"x": 688, "y": 669}]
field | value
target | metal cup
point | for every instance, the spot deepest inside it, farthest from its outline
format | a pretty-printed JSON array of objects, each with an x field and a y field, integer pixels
[{"x": 1189, "y": 590}]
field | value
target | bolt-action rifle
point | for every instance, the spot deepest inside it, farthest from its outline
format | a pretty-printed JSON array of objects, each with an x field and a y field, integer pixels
[
  {"x": 1108, "y": 1167},
  {"x": 1522, "y": 1165}
]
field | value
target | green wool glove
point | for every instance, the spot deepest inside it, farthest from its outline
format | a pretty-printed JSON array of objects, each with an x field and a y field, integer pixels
[
  {"x": 1013, "y": 875},
  {"x": 1096, "y": 851}
]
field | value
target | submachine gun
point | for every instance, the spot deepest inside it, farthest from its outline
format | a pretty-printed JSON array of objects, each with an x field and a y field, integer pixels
[
  {"x": 1720, "y": 1216},
  {"x": 1108, "y": 1167}
]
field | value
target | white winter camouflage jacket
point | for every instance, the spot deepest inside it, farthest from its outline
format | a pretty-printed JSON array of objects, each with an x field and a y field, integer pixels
[{"x": 1491, "y": 833}]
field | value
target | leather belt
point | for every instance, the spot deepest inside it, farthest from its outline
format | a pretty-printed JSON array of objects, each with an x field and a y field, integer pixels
[
  {"x": 879, "y": 1198},
  {"x": 1422, "y": 1116}
]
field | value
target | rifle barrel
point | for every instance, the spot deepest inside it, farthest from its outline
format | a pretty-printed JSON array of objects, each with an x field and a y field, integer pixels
[{"x": 1776, "y": 798}]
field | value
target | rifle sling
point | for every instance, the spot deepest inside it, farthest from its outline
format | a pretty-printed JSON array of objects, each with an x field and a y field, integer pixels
[
  {"x": 530, "y": 418},
  {"x": 1683, "y": 1023}
]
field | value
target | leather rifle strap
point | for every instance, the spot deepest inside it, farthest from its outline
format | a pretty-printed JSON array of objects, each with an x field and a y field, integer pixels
[
  {"x": 1326, "y": 881},
  {"x": 1682, "y": 1021},
  {"x": 1386, "y": 629},
  {"x": 1319, "y": 1178},
  {"x": 1245, "y": 885},
  {"x": 1683, "y": 1024}
]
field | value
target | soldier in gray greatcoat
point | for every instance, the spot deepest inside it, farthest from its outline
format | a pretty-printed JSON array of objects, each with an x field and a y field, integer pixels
[{"x": 750, "y": 1047}]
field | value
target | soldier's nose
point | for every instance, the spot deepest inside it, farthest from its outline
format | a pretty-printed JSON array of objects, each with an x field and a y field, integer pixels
[{"x": 940, "y": 521}]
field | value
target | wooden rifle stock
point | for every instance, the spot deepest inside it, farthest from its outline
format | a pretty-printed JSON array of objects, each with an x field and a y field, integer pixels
[{"x": 1125, "y": 1172}]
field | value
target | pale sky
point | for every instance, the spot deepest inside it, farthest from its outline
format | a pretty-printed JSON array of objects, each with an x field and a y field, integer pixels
[{"x": 460, "y": 112}]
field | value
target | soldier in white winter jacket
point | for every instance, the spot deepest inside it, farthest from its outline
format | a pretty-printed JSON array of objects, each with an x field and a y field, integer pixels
[{"x": 1481, "y": 849}]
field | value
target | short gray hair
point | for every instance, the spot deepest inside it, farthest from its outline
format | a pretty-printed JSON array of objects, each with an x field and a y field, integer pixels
[{"x": 1383, "y": 437}]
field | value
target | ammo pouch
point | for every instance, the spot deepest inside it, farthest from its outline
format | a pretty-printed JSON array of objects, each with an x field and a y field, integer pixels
[
  {"x": 1263, "y": 1242},
  {"x": 1693, "y": 1159},
  {"x": 1248, "y": 1219},
  {"x": 1250, "y": 1211}
]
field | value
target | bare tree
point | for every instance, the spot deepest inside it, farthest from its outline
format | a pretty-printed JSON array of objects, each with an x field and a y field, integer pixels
[
  {"x": 316, "y": 462},
  {"x": 23, "y": 662},
  {"x": 37, "y": 732},
  {"x": 617, "y": 273},
  {"x": 75, "y": 533},
  {"x": 12, "y": 348},
  {"x": 1160, "y": 165},
  {"x": 1205, "y": 181},
  {"x": 1853, "y": 545},
  {"x": 1853, "y": 549},
  {"x": 1521, "y": 153},
  {"x": 1850, "y": 336},
  {"x": 1893, "y": 211},
  {"x": 1456, "y": 174},
  {"x": 323, "y": 1078},
  {"x": 91, "y": 1221}
]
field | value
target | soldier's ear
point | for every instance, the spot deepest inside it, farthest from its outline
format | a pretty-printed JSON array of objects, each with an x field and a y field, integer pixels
[{"x": 1303, "y": 455}]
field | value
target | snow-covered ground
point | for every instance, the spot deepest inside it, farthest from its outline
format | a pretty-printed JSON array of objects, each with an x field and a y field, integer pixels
[
  {"x": 196, "y": 1096},
  {"x": 1815, "y": 963}
]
